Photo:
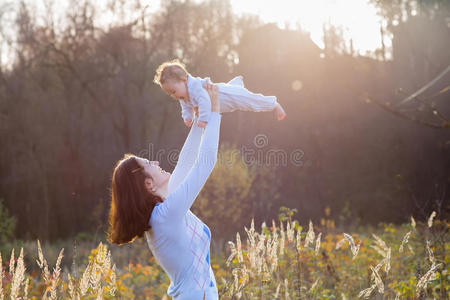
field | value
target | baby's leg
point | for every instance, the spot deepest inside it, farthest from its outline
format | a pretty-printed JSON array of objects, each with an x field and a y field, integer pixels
[
  {"x": 233, "y": 97},
  {"x": 239, "y": 98},
  {"x": 236, "y": 81}
]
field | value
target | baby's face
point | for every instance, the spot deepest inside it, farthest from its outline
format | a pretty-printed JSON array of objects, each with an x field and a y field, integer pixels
[{"x": 177, "y": 89}]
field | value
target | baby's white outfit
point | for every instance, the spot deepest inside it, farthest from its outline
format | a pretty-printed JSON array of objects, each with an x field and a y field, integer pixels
[{"x": 232, "y": 96}]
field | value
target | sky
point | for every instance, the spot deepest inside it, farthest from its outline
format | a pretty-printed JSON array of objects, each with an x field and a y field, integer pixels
[{"x": 357, "y": 18}]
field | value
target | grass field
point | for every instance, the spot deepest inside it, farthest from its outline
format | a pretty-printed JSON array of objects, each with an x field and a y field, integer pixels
[{"x": 280, "y": 260}]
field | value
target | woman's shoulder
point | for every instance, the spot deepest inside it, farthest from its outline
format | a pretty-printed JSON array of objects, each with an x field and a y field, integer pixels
[
  {"x": 161, "y": 213},
  {"x": 160, "y": 222},
  {"x": 156, "y": 216}
]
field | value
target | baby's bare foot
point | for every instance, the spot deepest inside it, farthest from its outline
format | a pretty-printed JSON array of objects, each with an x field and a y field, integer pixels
[{"x": 279, "y": 111}]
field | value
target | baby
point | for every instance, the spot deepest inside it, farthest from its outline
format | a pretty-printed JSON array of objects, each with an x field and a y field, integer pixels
[{"x": 180, "y": 85}]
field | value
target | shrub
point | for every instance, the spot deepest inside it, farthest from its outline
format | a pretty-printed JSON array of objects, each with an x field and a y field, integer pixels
[{"x": 7, "y": 227}]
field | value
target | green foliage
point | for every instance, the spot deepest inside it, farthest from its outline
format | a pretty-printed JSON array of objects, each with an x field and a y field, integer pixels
[
  {"x": 223, "y": 203},
  {"x": 286, "y": 213},
  {"x": 7, "y": 225}
]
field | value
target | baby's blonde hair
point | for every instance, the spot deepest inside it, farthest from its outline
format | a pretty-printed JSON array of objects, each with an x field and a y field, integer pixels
[{"x": 170, "y": 70}]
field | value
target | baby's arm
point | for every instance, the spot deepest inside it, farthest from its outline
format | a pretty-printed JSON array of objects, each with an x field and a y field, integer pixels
[
  {"x": 187, "y": 112},
  {"x": 204, "y": 108}
]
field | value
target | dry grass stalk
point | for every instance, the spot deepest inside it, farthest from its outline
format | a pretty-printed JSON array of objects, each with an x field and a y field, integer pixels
[
  {"x": 290, "y": 231},
  {"x": 251, "y": 233},
  {"x": 99, "y": 268},
  {"x": 262, "y": 250},
  {"x": 273, "y": 257},
  {"x": 253, "y": 249},
  {"x": 11, "y": 263},
  {"x": 239, "y": 248},
  {"x": 71, "y": 287},
  {"x": 404, "y": 241},
  {"x": 18, "y": 276},
  {"x": 235, "y": 286},
  {"x": 422, "y": 283},
  {"x": 387, "y": 265},
  {"x": 430, "y": 219},
  {"x": 233, "y": 253},
  {"x": 314, "y": 285},
  {"x": 379, "y": 250},
  {"x": 112, "y": 284},
  {"x": 99, "y": 293},
  {"x": 56, "y": 273},
  {"x": 413, "y": 222},
  {"x": 383, "y": 250},
  {"x": 101, "y": 265},
  {"x": 277, "y": 291},
  {"x": 353, "y": 248},
  {"x": 340, "y": 243},
  {"x": 282, "y": 238},
  {"x": 1, "y": 278},
  {"x": 274, "y": 230},
  {"x": 367, "y": 292},
  {"x": 96, "y": 276},
  {"x": 25, "y": 289},
  {"x": 299, "y": 240},
  {"x": 317, "y": 248},
  {"x": 84, "y": 283},
  {"x": 430, "y": 254},
  {"x": 310, "y": 236},
  {"x": 380, "y": 243},
  {"x": 42, "y": 263},
  {"x": 378, "y": 280},
  {"x": 265, "y": 271},
  {"x": 286, "y": 289}
]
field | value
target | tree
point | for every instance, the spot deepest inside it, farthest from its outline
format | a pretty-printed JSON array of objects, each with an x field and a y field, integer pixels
[
  {"x": 223, "y": 203},
  {"x": 419, "y": 30}
]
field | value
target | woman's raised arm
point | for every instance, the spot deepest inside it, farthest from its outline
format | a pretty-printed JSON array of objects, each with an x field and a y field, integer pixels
[
  {"x": 187, "y": 157},
  {"x": 181, "y": 199}
]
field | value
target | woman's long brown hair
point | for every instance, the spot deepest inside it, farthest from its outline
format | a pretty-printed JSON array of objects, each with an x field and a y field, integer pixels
[{"x": 131, "y": 204}]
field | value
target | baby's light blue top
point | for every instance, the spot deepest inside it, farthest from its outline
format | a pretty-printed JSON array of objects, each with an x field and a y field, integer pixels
[
  {"x": 179, "y": 240},
  {"x": 198, "y": 96}
]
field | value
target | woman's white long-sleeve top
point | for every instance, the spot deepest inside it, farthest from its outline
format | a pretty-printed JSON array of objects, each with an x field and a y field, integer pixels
[{"x": 179, "y": 240}]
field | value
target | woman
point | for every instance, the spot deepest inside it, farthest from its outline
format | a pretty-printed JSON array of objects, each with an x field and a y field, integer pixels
[{"x": 146, "y": 199}]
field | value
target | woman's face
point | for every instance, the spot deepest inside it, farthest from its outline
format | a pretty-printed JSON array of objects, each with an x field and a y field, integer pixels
[{"x": 158, "y": 177}]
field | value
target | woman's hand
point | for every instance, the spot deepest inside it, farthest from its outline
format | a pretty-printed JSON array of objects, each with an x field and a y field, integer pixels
[{"x": 213, "y": 91}]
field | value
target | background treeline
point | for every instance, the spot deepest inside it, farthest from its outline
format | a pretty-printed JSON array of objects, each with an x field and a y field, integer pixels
[{"x": 79, "y": 96}]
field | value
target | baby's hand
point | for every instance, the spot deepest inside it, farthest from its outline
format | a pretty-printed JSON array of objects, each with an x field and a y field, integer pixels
[
  {"x": 201, "y": 124},
  {"x": 188, "y": 122}
]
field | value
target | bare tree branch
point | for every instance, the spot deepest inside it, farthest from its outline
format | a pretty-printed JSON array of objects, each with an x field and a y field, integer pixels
[
  {"x": 387, "y": 107},
  {"x": 425, "y": 87}
]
